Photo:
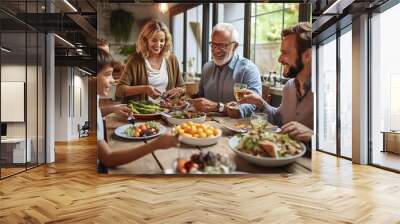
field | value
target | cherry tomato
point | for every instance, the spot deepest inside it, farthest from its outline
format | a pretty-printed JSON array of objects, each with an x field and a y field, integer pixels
[
  {"x": 143, "y": 128},
  {"x": 181, "y": 166}
]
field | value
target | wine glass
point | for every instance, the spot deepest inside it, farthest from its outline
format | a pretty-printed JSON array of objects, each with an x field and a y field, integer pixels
[{"x": 238, "y": 90}]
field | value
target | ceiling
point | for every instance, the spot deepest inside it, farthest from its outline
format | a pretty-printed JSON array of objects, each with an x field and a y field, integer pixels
[
  {"x": 19, "y": 18},
  {"x": 330, "y": 15},
  {"x": 78, "y": 27}
]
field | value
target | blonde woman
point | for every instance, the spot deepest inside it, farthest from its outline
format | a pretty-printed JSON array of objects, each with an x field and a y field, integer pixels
[{"x": 153, "y": 69}]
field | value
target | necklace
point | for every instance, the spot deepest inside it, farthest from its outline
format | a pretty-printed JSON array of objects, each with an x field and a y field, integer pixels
[{"x": 155, "y": 63}]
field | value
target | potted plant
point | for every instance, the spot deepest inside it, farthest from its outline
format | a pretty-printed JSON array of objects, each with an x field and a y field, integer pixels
[
  {"x": 127, "y": 50},
  {"x": 121, "y": 23}
]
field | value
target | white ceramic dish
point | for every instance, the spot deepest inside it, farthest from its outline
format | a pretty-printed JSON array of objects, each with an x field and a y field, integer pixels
[
  {"x": 177, "y": 121},
  {"x": 120, "y": 131},
  {"x": 200, "y": 141},
  {"x": 232, "y": 126},
  {"x": 264, "y": 161}
]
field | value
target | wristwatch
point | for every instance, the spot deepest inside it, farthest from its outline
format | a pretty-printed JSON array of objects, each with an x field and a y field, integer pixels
[{"x": 221, "y": 107}]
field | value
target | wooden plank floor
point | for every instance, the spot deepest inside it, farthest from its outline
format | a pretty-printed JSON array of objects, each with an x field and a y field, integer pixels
[{"x": 70, "y": 191}]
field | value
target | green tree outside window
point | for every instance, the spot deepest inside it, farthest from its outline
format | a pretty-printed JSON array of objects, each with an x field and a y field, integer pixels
[{"x": 268, "y": 20}]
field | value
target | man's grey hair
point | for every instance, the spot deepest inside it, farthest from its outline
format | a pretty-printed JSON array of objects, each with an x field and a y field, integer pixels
[{"x": 222, "y": 27}]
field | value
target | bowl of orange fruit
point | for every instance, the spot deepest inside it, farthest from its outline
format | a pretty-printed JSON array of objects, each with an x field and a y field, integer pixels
[{"x": 198, "y": 134}]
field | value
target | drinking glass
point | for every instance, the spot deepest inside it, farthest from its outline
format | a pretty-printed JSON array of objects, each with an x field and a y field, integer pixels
[
  {"x": 238, "y": 90},
  {"x": 259, "y": 120}
]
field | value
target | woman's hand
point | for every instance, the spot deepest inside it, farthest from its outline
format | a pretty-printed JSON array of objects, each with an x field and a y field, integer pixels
[
  {"x": 152, "y": 91},
  {"x": 175, "y": 92}
]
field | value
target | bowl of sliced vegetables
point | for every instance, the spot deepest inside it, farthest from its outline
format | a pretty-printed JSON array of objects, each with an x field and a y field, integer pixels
[
  {"x": 180, "y": 117},
  {"x": 267, "y": 149},
  {"x": 146, "y": 110},
  {"x": 203, "y": 163}
]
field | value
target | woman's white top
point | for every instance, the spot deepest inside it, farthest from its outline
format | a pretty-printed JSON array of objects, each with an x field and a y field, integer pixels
[{"x": 158, "y": 78}]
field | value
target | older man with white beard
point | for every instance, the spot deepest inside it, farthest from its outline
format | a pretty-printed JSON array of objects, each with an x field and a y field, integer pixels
[{"x": 219, "y": 76}]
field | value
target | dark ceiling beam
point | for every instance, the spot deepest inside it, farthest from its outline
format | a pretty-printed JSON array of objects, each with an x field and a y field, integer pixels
[
  {"x": 15, "y": 18},
  {"x": 76, "y": 61},
  {"x": 84, "y": 24},
  {"x": 199, "y": 2},
  {"x": 337, "y": 7},
  {"x": 46, "y": 22},
  {"x": 91, "y": 5}
]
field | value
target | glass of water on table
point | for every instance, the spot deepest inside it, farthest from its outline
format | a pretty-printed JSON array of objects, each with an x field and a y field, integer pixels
[{"x": 259, "y": 121}]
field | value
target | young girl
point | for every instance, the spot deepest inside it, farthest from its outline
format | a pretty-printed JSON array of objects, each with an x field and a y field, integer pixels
[{"x": 107, "y": 156}]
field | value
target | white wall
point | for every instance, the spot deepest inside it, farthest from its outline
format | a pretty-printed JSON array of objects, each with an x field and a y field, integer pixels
[
  {"x": 80, "y": 110},
  {"x": 33, "y": 127},
  {"x": 16, "y": 73},
  {"x": 71, "y": 103}
]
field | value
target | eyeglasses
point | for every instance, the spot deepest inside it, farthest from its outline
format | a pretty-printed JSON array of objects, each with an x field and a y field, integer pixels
[{"x": 220, "y": 45}]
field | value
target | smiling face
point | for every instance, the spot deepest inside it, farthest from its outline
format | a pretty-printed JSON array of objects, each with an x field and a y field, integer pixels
[
  {"x": 222, "y": 48},
  {"x": 290, "y": 59},
  {"x": 105, "y": 80},
  {"x": 156, "y": 43}
]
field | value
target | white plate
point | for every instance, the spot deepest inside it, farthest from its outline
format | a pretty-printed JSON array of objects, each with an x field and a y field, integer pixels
[
  {"x": 231, "y": 126},
  {"x": 264, "y": 161},
  {"x": 177, "y": 121},
  {"x": 120, "y": 131},
  {"x": 274, "y": 128}
]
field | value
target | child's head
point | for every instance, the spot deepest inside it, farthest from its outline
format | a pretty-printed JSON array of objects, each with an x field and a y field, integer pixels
[
  {"x": 103, "y": 44},
  {"x": 105, "y": 64}
]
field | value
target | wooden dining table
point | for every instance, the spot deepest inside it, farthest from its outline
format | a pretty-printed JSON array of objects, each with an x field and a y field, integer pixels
[{"x": 161, "y": 161}]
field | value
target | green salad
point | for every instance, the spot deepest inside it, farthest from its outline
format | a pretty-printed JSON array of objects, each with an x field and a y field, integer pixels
[
  {"x": 144, "y": 107},
  {"x": 186, "y": 114},
  {"x": 269, "y": 144}
]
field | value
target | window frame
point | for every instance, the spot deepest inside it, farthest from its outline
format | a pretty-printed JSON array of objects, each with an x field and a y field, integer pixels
[
  {"x": 338, "y": 33},
  {"x": 381, "y": 9},
  {"x": 302, "y": 16},
  {"x": 28, "y": 29},
  {"x": 213, "y": 8}
]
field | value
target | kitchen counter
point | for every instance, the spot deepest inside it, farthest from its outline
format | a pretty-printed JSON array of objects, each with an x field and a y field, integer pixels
[{"x": 274, "y": 90}]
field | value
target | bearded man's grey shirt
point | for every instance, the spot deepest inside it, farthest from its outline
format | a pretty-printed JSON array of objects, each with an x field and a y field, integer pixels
[{"x": 294, "y": 106}]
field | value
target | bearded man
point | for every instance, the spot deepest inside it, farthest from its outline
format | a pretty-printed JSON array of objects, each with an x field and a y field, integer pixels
[{"x": 295, "y": 114}]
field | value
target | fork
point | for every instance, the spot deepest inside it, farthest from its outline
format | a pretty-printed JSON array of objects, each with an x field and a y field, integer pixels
[{"x": 131, "y": 119}]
